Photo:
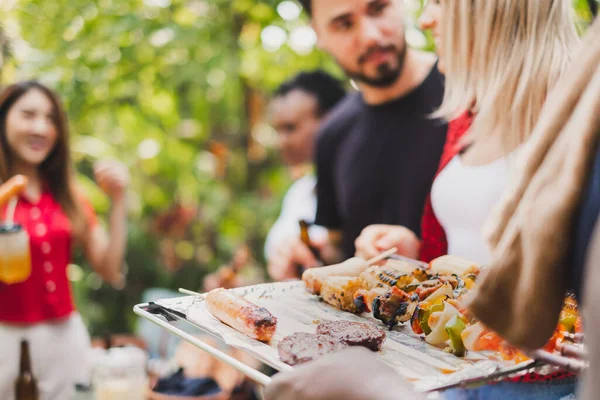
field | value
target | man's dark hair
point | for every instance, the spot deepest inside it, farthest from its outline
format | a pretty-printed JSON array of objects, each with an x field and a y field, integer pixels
[
  {"x": 328, "y": 90},
  {"x": 307, "y": 5}
]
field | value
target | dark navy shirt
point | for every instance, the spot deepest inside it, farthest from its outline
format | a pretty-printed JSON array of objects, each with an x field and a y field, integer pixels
[{"x": 584, "y": 227}]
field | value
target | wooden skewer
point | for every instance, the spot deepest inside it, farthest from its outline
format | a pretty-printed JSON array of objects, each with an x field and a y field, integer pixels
[
  {"x": 382, "y": 256},
  {"x": 570, "y": 364},
  {"x": 573, "y": 351},
  {"x": 189, "y": 292}
]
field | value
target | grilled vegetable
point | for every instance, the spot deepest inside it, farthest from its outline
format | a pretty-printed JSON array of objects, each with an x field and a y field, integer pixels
[
  {"x": 490, "y": 341},
  {"x": 454, "y": 328},
  {"x": 363, "y": 299},
  {"x": 437, "y": 321},
  {"x": 420, "y": 318},
  {"x": 338, "y": 291},
  {"x": 431, "y": 304},
  {"x": 394, "y": 306},
  {"x": 568, "y": 315},
  {"x": 421, "y": 275},
  {"x": 471, "y": 334},
  {"x": 469, "y": 281},
  {"x": 430, "y": 287}
]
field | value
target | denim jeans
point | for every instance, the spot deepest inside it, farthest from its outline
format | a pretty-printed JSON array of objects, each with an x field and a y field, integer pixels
[{"x": 551, "y": 390}]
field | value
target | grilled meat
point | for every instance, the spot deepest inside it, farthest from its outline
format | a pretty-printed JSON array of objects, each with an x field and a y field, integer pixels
[
  {"x": 303, "y": 347},
  {"x": 353, "y": 333}
]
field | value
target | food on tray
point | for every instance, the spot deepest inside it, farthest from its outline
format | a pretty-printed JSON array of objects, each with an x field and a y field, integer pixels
[
  {"x": 397, "y": 306},
  {"x": 439, "y": 321},
  {"x": 448, "y": 325},
  {"x": 452, "y": 265},
  {"x": 331, "y": 336},
  {"x": 353, "y": 333},
  {"x": 373, "y": 289},
  {"x": 314, "y": 277},
  {"x": 364, "y": 298},
  {"x": 303, "y": 347},
  {"x": 242, "y": 315},
  {"x": 393, "y": 273},
  {"x": 471, "y": 334},
  {"x": 430, "y": 298},
  {"x": 569, "y": 317},
  {"x": 356, "y": 295},
  {"x": 12, "y": 187},
  {"x": 338, "y": 291}
]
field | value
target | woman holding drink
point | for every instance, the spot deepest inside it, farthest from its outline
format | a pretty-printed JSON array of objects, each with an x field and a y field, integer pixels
[{"x": 54, "y": 217}]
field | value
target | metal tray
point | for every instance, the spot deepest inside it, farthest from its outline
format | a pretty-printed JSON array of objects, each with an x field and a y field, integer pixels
[{"x": 429, "y": 368}]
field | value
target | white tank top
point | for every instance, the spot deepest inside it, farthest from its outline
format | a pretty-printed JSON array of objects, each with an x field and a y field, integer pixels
[{"x": 462, "y": 197}]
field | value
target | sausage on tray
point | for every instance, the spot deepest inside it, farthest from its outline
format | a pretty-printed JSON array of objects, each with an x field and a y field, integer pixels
[
  {"x": 314, "y": 277},
  {"x": 242, "y": 315}
]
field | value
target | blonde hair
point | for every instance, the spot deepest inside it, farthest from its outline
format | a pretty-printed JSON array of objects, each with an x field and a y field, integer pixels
[{"x": 502, "y": 57}]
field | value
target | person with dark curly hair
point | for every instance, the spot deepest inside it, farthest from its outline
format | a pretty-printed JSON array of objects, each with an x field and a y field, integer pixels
[{"x": 298, "y": 108}]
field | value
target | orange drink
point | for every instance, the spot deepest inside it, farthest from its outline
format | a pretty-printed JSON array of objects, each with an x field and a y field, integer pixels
[{"x": 15, "y": 257}]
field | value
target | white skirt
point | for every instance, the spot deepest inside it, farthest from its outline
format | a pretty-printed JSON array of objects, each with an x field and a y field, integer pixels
[{"x": 59, "y": 357}]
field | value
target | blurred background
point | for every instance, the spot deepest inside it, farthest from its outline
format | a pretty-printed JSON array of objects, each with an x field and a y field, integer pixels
[{"x": 177, "y": 89}]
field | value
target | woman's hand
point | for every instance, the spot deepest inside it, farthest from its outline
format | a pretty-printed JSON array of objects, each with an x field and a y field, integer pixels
[
  {"x": 106, "y": 251},
  {"x": 375, "y": 239},
  {"x": 112, "y": 177}
]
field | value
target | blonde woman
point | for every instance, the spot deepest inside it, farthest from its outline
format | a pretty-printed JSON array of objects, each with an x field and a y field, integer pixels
[{"x": 501, "y": 59}]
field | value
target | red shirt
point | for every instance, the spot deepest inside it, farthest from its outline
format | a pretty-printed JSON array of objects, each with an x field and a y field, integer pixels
[
  {"x": 434, "y": 243},
  {"x": 46, "y": 294}
]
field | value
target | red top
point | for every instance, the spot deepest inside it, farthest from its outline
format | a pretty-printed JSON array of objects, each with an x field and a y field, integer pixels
[
  {"x": 46, "y": 294},
  {"x": 434, "y": 243}
]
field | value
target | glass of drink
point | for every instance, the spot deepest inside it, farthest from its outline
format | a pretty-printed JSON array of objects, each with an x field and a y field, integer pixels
[
  {"x": 15, "y": 256},
  {"x": 121, "y": 375}
]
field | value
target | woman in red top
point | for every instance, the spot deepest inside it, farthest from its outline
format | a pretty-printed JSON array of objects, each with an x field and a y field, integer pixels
[
  {"x": 500, "y": 59},
  {"x": 34, "y": 141}
]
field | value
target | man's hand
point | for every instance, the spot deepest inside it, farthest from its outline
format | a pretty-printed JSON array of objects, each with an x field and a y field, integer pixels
[
  {"x": 375, "y": 239},
  {"x": 288, "y": 256},
  {"x": 353, "y": 374}
]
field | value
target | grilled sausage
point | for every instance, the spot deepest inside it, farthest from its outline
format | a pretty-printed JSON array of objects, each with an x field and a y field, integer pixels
[
  {"x": 242, "y": 315},
  {"x": 314, "y": 277}
]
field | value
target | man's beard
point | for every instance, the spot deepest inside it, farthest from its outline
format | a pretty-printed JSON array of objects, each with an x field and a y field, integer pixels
[{"x": 386, "y": 74}]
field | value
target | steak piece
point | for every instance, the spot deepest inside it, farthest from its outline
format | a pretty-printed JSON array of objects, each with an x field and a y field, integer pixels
[
  {"x": 353, "y": 333},
  {"x": 303, "y": 347}
]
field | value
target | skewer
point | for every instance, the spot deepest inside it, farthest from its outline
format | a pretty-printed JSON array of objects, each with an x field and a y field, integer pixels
[
  {"x": 418, "y": 263},
  {"x": 569, "y": 364},
  {"x": 382, "y": 256},
  {"x": 189, "y": 292},
  {"x": 573, "y": 350}
]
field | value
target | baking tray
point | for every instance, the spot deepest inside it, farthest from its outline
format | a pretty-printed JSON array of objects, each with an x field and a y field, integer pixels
[{"x": 429, "y": 368}]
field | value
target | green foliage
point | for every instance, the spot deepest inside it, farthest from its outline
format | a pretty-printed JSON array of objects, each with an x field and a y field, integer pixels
[
  {"x": 155, "y": 87},
  {"x": 175, "y": 89}
]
